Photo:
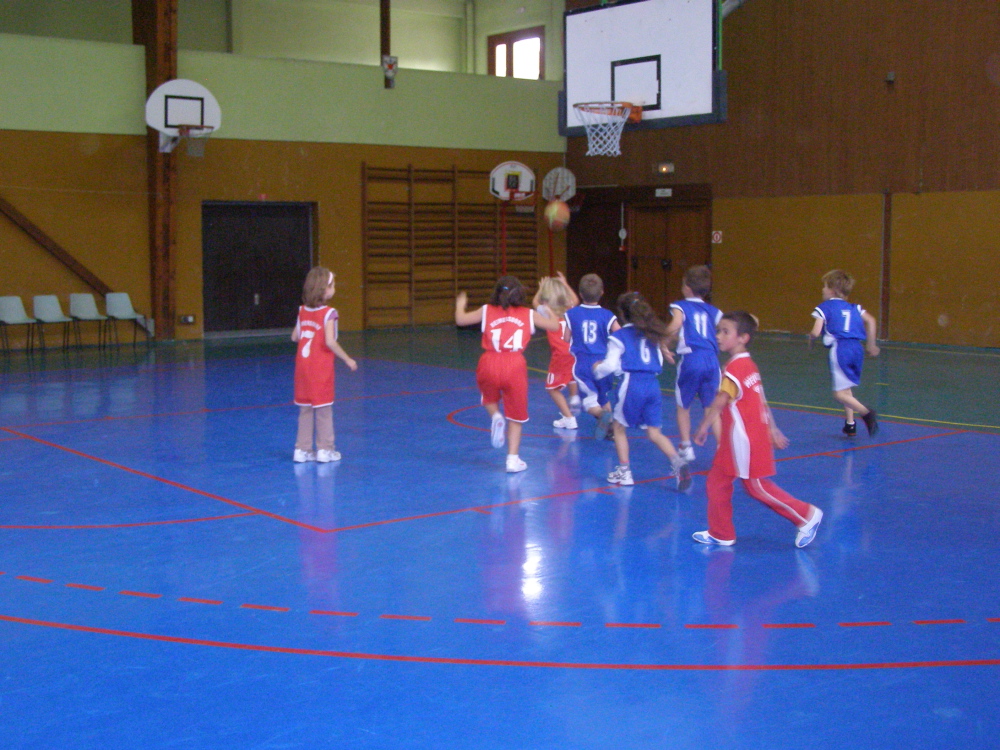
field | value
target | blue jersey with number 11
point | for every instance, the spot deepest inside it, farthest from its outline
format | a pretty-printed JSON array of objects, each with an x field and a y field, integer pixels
[
  {"x": 589, "y": 327},
  {"x": 698, "y": 329}
]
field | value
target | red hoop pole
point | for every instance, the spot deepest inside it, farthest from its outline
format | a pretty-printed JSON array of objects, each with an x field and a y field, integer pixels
[
  {"x": 503, "y": 238},
  {"x": 552, "y": 259}
]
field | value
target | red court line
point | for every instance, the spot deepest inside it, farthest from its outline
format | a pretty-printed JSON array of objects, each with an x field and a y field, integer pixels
[
  {"x": 555, "y": 624},
  {"x": 631, "y": 625},
  {"x": 265, "y": 607},
  {"x": 198, "y": 601},
  {"x": 862, "y": 624},
  {"x": 939, "y": 622},
  {"x": 499, "y": 662},
  {"x": 417, "y": 618},
  {"x": 788, "y": 625},
  {"x": 5, "y": 439},
  {"x": 142, "y": 594},
  {"x": 988, "y": 619},
  {"x": 84, "y": 586},
  {"x": 34, "y": 580},
  {"x": 334, "y": 614},
  {"x": 131, "y": 525},
  {"x": 168, "y": 482},
  {"x": 712, "y": 627},
  {"x": 471, "y": 621}
]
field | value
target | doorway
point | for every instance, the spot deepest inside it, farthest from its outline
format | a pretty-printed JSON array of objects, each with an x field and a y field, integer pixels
[
  {"x": 255, "y": 257},
  {"x": 668, "y": 231}
]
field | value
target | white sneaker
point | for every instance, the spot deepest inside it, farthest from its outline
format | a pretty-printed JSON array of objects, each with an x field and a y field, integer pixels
[
  {"x": 325, "y": 457},
  {"x": 703, "y": 537},
  {"x": 621, "y": 475},
  {"x": 498, "y": 431},
  {"x": 807, "y": 532},
  {"x": 300, "y": 456},
  {"x": 686, "y": 452},
  {"x": 565, "y": 423},
  {"x": 515, "y": 464}
]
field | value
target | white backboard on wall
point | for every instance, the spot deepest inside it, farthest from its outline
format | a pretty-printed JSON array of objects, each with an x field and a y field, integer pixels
[{"x": 657, "y": 53}]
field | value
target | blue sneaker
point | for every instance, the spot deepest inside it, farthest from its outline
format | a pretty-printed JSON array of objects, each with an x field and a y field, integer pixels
[
  {"x": 603, "y": 428},
  {"x": 703, "y": 537},
  {"x": 807, "y": 532}
]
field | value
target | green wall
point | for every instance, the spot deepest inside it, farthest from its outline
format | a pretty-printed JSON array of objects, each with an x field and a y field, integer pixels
[{"x": 89, "y": 87}]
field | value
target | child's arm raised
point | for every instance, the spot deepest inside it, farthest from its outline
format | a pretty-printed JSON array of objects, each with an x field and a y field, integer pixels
[
  {"x": 570, "y": 294},
  {"x": 537, "y": 299},
  {"x": 330, "y": 333},
  {"x": 465, "y": 317},
  {"x": 871, "y": 330}
]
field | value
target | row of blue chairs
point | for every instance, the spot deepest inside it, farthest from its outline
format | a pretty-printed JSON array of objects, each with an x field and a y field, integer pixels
[{"x": 82, "y": 307}]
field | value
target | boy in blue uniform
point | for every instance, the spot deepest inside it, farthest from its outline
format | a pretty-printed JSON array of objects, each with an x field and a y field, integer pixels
[
  {"x": 589, "y": 327},
  {"x": 847, "y": 330},
  {"x": 636, "y": 352},
  {"x": 694, "y": 321}
]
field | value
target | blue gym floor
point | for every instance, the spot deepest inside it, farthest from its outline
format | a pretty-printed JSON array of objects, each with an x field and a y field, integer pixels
[{"x": 170, "y": 579}]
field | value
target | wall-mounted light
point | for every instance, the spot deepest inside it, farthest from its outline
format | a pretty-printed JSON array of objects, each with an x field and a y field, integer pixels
[{"x": 665, "y": 167}]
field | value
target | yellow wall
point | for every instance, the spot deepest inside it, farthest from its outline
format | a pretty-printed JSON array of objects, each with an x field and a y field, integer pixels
[
  {"x": 945, "y": 273},
  {"x": 774, "y": 252},
  {"x": 89, "y": 193}
]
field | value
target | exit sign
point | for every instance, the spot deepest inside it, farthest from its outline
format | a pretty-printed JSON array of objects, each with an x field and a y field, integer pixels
[{"x": 664, "y": 192}]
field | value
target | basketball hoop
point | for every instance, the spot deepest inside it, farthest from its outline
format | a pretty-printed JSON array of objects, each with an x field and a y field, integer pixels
[
  {"x": 604, "y": 122},
  {"x": 195, "y": 137}
]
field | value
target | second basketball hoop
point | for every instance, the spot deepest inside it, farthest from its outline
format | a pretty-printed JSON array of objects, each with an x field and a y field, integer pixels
[{"x": 512, "y": 181}]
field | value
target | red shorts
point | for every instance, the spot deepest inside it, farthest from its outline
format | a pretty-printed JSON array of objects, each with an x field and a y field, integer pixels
[
  {"x": 560, "y": 371},
  {"x": 502, "y": 375}
]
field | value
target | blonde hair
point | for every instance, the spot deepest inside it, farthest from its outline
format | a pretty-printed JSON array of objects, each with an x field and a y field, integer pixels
[
  {"x": 552, "y": 292},
  {"x": 314, "y": 288},
  {"x": 839, "y": 281}
]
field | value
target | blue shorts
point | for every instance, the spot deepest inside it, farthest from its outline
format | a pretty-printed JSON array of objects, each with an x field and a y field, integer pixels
[
  {"x": 592, "y": 392},
  {"x": 846, "y": 359},
  {"x": 697, "y": 375},
  {"x": 639, "y": 401}
]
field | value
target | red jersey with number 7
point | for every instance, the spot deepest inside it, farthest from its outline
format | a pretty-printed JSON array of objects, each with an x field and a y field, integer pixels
[
  {"x": 314, "y": 385},
  {"x": 507, "y": 331}
]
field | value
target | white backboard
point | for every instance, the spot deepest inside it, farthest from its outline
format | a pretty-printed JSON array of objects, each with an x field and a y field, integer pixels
[{"x": 657, "y": 53}]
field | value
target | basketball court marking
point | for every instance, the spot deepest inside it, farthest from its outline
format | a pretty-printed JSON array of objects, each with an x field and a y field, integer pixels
[{"x": 295, "y": 651}]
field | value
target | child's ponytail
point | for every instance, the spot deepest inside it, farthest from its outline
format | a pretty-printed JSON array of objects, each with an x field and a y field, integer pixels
[
  {"x": 508, "y": 292},
  {"x": 632, "y": 308}
]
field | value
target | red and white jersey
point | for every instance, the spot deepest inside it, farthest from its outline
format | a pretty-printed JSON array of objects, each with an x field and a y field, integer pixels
[
  {"x": 314, "y": 385},
  {"x": 746, "y": 450},
  {"x": 507, "y": 331}
]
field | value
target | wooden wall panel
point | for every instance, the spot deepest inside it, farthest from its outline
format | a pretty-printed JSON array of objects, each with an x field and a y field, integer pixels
[
  {"x": 810, "y": 111},
  {"x": 89, "y": 192},
  {"x": 774, "y": 252},
  {"x": 946, "y": 268}
]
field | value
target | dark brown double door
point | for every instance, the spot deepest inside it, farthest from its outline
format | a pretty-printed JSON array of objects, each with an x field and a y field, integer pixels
[{"x": 664, "y": 237}]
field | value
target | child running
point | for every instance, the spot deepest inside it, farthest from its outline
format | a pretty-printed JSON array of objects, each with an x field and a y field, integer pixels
[
  {"x": 745, "y": 451},
  {"x": 553, "y": 298},
  {"x": 844, "y": 327},
  {"x": 694, "y": 321},
  {"x": 316, "y": 333},
  {"x": 636, "y": 351},
  {"x": 589, "y": 326},
  {"x": 502, "y": 372}
]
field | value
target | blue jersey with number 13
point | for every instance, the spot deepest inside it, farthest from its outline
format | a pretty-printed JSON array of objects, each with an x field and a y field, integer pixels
[{"x": 589, "y": 327}]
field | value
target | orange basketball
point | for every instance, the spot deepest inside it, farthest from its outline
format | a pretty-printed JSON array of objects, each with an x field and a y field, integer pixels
[{"x": 557, "y": 215}]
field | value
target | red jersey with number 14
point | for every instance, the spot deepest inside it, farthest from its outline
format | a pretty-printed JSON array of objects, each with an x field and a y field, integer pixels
[
  {"x": 507, "y": 331},
  {"x": 314, "y": 359}
]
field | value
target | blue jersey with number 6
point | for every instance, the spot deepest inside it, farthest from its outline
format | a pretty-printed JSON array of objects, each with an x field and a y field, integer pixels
[
  {"x": 589, "y": 327},
  {"x": 698, "y": 329},
  {"x": 638, "y": 354}
]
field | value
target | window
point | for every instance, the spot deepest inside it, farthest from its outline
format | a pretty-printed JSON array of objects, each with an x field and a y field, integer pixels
[{"x": 518, "y": 54}]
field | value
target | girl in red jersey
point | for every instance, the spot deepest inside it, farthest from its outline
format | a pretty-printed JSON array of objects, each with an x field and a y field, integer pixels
[
  {"x": 745, "y": 451},
  {"x": 316, "y": 333},
  {"x": 553, "y": 298},
  {"x": 502, "y": 372}
]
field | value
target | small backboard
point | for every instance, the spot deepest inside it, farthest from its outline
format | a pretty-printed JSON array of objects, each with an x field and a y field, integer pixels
[
  {"x": 512, "y": 180},
  {"x": 182, "y": 108}
]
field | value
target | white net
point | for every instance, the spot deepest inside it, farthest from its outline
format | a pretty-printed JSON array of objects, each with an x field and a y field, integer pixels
[{"x": 604, "y": 122}]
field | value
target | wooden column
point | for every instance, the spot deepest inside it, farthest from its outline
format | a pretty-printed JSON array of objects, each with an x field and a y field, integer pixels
[
  {"x": 384, "y": 34},
  {"x": 154, "y": 24}
]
